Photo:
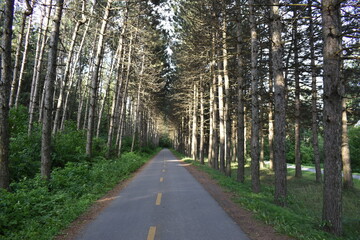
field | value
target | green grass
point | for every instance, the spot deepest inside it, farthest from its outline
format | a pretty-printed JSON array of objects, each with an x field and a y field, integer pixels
[
  {"x": 301, "y": 218},
  {"x": 39, "y": 210}
]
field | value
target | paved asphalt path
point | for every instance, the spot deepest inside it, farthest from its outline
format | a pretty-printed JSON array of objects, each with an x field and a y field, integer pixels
[{"x": 163, "y": 202}]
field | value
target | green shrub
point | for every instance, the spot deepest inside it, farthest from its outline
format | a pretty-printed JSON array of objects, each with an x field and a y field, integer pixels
[
  {"x": 68, "y": 146},
  {"x": 354, "y": 145},
  {"x": 24, "y": 150},
  {"x": 18, "y": 120},
  {"x": 24, "y": 155},
  {"x": 126, "y": 144}
]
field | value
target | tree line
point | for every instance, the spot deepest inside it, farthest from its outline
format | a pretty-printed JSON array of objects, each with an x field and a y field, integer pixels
[
  {"x": 253, "y": 76},
  {"x": 97, "y": 64}
]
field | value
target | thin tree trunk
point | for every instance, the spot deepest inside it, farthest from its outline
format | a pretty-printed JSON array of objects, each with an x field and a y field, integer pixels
[
  {"x": 23, "y": 63},
  {"x": 255, "y": 151},
  {"x": 26, "y": 13},
  {"x": 212, "y": 102},
  {"x": 85, "y": 97},
  {"x": 5, "y": 82},
  {"x": 233, "y": 140},
  {"x": 37, "y": 68},
  {"x": 49, "y": 88},
  {"x": 227, "y": 122},
  {"x": 314, "y": 110},
  {"x": 298, "y": 172},
  {"x": 333, "y": 92},
  {"x": 124, "y": 97},
  {"x": 262, "y": 145},
  {"x": 194, "y": 130},
  {"x": 221, "y": 118},
  {"x": 202, "y": 123},
  {"x": 95, "y": 81},
  {"x": 87, "y": 105},
  {"x": 280, "y": 120},
  {"x": 77, "y": 58},
  {"x": 136, "y": 117},
  {"x": 345, "y": 151},
  {"x": 240, "y": 102},
  {"x": 64, "y": 85},
  {"x": 115, "y": 103}
]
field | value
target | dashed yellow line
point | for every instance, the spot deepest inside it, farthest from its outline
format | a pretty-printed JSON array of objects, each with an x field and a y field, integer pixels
[
  {"x": 158, "y": 198},
  {"x": 151, "y": 234},
  {"x": 161, "y": 179}
]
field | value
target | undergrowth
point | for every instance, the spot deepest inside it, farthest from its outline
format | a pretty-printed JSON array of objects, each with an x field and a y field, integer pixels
[
  {"x": 37, "y": 209},
  {"x": 301, "y": 218}
]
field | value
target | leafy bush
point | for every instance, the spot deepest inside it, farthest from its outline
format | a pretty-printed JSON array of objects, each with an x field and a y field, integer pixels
[
  {"x": 24, "y": 155},
  {"x": 69, "y": 146},
  {"x": 24, "y": 149}
]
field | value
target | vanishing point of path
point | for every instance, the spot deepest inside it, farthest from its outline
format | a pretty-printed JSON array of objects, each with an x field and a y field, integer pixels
[{"x": 165, "y": 202}]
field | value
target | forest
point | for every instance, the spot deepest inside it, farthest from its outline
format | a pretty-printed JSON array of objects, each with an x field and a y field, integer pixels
[{"x": 91, "y": 90}]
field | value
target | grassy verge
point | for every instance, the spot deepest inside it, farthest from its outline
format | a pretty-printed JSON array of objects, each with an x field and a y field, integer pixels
[
  {"x": 39, "y": 210},
  {"x": 301, "y": 218}
]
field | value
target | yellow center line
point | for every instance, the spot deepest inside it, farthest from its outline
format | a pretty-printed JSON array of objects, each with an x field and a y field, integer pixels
[
  {"x": 161, "y": 179},
  {"x": 151, "y": 234},
  {"x": 158, "y": 198}
]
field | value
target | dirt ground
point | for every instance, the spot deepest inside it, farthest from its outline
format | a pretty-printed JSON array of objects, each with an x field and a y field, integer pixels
[{"x": 255, "y": 229}]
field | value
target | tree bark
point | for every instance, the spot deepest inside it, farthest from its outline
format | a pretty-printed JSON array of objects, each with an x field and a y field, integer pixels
[
  {"x": 279, "y": 98},
  {"x": 227, "y": 122},
  {"x": 5, "y": 81},
  {"x": 221, "y": 145},
  {"x": 49, "y": 88},
  {"x": 271, "y": 106},
  {"x": 95, "y": 81},
  {"x": 333, "y": 92},
  {"x": 202, "y": 123},
  {"x": 194, "y": 130},
  {"x": 345, "y": 151},
  {"x": 212, "y": 155},
  {"x": 255, "y": 151},
  {"x": 240, "y": 102}
]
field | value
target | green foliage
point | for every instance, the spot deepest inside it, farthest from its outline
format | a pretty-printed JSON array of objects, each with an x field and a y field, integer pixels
[
  {"x": 39, "y": 210},
  {"x": 69, "y": 146},
  {"x": 126, "y": 144},
  {"x": 354, "y": 145},
  {"x": 306, "y": 149},
  {"x": 165, "y": 142},
  {"x": 18, "y": 119},
  {"x": 301, "y": 218},
  {"x": 24, "y": 149},
  {"x": 24, "y": 155}
]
